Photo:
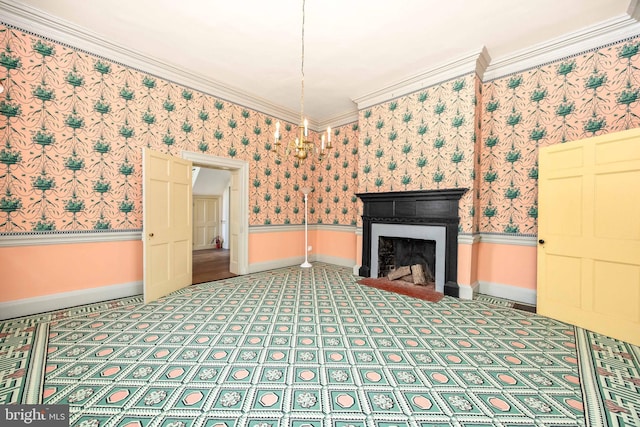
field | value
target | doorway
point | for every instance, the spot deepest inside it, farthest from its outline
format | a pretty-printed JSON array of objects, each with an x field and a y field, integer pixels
[
  {"x": 235, "y": 252},
  {"x": 210, "y": 264}
]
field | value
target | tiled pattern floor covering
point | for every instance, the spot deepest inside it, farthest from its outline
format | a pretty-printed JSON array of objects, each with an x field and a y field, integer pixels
[{"x": 311, "y": 347}]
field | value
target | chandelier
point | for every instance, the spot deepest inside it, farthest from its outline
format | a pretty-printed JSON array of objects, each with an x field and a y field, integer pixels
[{"x": 302, "y": 147}]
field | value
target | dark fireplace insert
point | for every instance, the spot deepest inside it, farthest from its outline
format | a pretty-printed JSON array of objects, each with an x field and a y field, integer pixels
[{"x": 395, "y": 252}]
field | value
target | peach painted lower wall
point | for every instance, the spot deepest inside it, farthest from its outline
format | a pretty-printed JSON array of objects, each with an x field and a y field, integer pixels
[
  {"x": 282, "y": 248},
  {"x": 498, "y": 269},
  {"x": 508, "y": 271},
  {"x": 336, "y": 244},
  {"x": 266, "y": 247},
  {"x": 36, "y": 271},
  {"x": 514, "y": 265},
  {"x": 467, "y": 264}
]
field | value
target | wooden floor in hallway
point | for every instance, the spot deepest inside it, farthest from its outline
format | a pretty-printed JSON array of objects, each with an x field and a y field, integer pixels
[{"x": 210, "y": 265}]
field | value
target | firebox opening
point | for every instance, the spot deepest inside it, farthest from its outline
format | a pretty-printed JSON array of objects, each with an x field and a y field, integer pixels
[{"x": 395, "y": 252}]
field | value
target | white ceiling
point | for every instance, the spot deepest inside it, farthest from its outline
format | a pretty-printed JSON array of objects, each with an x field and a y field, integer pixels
[{"x": 352, "y": 47}]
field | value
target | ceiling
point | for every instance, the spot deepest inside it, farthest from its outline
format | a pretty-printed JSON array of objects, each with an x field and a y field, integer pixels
[{"x": 251, "y": 49}]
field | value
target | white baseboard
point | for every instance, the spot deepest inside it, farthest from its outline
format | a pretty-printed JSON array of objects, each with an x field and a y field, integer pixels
[
  {"x": 257, "y": 267},
  {"x": 42, "y": 304},
  {"x": 513, "y": 293},
  {"x": 468, "y": 291},
  {"x": 288, "y": 262},
  {"x": 343, "y": 262}
]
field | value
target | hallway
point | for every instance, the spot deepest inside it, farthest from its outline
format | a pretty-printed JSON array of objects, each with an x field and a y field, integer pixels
[{"x": 210, "y": 265}]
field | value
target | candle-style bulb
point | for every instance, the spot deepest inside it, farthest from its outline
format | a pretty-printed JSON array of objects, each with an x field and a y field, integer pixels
[{"x": 329, "y": 133}]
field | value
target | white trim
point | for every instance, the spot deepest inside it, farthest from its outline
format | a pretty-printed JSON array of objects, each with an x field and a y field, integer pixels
[
  {"x": 295, "y": 261},
  {"x": 334, "y": 260},
  {"x": 276, "y": 228},
  {"x": 345, "y": 118},
  {"x": 33, "y": 20},
  {"x": 634, "y": 9},
  {"x": 333, "y": 227},
  {"x": 508, "y": 239},
  {"x": 62, "y": 300},
  {"x": 243, "y": 173},
  {"x": 513, "y": 293},
  {"x": 260, "y": 229},
  {"x": 356, "y": 270},
  {"x": 36, "y": 239},
  {"x": 468, "y": 292},
  {"x": 42, "y": 24},
  {"x": 474, "y": 62},
  {"x": 594, "y": 36},
  {"x": 468, "y": 239},
  {"x": 257, "y": 267},
  {"x": 53, "y": 28}
]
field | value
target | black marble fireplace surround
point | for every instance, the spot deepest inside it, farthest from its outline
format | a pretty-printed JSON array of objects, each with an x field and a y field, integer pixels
[{"x": 422, "y": 207}]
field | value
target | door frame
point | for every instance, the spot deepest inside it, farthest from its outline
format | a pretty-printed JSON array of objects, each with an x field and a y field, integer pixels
[{"x": 241, "y": 168}]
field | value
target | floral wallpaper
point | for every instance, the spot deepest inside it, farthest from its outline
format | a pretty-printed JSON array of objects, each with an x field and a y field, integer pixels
[
  {"x": 485, "y": 136},
  {"x": 73, "y": 127},
  {"x": 422, "y": 141},
  {"x": 74, "y": 124},
  {"x": 590, "y": 94}
]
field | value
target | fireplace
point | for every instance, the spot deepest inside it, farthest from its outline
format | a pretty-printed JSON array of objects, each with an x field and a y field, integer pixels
[
  {"x": 428, "y": 216},
  {"x": 395, "y": 252}
]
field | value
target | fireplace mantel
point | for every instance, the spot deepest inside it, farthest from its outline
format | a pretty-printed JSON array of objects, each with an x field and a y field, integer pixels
[{"x": 422, "y": 207}]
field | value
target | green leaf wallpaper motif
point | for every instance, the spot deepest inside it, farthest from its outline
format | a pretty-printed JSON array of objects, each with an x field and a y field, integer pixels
[
  {"x": 587, "y": 95},
  {"x": 75, "y": 125},
  {"x": 420, "y": 142}
]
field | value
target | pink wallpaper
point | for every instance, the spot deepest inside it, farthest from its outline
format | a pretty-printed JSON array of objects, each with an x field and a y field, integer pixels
[
  {"x": 73, "y": 126},
  {"x": 422, "y": 141},
  {"x": 591, "y": 94},
  {"x": 485, "y": 136},
  {"x": 73, "y": 130}
]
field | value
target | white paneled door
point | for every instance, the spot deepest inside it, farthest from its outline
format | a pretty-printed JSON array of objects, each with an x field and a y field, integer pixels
[
  {"x": 206, "y": 222},
  {"x": 167, "y": 224}
]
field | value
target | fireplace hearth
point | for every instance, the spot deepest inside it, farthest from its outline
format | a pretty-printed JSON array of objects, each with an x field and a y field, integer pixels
[{"x": 430, "y": 215}]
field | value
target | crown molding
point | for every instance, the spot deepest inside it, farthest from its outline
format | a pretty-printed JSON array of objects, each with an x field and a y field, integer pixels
[
  {"x": 634, "y": 10},
  {"x": 473, "y": 62},
  {"x": 335, "y": 121},
  {"x": 38, "y": 23},
  {"x": 592, "y": 37}
]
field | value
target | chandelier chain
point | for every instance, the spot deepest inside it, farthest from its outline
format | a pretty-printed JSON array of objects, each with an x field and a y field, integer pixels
[
  {"x": 303, "y": 145},
  {"x": 302, "y": 69}
]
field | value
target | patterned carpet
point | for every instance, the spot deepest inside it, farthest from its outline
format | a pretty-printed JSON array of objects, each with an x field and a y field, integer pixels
[{"x": 311, "y": 347}]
